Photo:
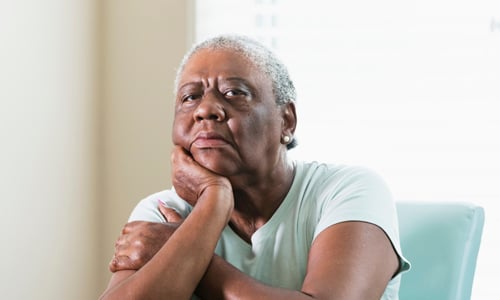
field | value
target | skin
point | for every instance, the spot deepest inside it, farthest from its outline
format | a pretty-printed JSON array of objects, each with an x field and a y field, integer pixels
[{"x": 230, "y": 163}]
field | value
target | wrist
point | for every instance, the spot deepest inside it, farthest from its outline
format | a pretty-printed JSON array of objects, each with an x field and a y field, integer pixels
[{"x": 219, "y": 197}]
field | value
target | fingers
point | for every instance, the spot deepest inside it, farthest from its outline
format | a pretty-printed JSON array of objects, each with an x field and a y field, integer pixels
[
  {"x": 170, "y": 214},
  {"x": 180, "y": 154},
  {"x": 127, "y": 228},
  {"x": 119, "y": 263},
  {"x": 190, "y": 177},
  {"x": 139, "y": 241},
  {"x": 121, "y": 260}
]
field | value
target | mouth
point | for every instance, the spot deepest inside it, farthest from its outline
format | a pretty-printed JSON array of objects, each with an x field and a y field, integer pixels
[{"x": 205, "y": 140}]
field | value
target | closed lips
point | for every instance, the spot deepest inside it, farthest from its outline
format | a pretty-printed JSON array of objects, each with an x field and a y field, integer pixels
[{"x": 209, "y": 140}]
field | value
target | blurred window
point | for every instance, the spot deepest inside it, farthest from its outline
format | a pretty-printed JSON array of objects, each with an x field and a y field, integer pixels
[{"x": 410, "y": 89}]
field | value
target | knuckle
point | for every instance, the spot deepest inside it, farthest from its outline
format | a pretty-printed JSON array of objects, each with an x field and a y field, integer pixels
[
  {"x": 138, "y": 244},
  {"x": 126, "y": 228}
]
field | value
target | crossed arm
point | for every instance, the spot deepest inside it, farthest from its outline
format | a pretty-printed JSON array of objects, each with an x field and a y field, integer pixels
[
  {"x": 359, "y": 268},
  {"x": 350, "y": 260},
  {"x": 175, "y": 271}
]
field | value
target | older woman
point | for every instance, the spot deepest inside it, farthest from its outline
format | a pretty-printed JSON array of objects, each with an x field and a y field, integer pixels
[{"x": 244, "y": 221}]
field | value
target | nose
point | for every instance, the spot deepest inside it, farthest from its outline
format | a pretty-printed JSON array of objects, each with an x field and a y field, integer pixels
[{"x": 210, "y": 108}]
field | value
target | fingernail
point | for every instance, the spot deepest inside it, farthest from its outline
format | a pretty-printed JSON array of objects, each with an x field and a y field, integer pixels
[{"x": 160, "y": 202}]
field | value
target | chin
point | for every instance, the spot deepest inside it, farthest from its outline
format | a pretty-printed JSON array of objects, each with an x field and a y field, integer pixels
[{"x": 216, "y": 163}]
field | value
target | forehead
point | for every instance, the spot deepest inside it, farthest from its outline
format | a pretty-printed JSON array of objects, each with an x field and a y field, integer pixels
[{"x": 224, "y": 62}]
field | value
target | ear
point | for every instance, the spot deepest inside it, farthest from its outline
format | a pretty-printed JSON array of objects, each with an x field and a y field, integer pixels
[{"x": 289, "y": 115}]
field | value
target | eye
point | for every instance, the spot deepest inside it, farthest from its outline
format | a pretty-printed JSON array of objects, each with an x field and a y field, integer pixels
[
  {"x": 190, "y": 97},
  {"x": 234, "y": 93}
]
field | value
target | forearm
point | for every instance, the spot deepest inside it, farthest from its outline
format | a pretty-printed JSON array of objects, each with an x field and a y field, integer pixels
[
  {"x": 174, "y": 272},
  {"x": 223, "y": 281}
]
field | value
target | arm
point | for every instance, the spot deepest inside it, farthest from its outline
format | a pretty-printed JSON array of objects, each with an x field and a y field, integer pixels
[
  {"x": 175, "y": 270},
  {"x": 350, "y": 260}
]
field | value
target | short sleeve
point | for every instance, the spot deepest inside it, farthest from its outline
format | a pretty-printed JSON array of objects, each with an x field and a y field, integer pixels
[{"x": 358, "y": 194}]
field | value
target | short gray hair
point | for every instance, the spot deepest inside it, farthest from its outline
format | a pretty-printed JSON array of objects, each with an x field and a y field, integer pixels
[{"x": 262, "y": 57}]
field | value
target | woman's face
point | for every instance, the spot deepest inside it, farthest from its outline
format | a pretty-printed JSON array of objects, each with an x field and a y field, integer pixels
[{"x": 226, "y": 115}]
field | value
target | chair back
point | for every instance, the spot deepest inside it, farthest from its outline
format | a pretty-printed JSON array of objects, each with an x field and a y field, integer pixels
[{"x": 441, "y": 241}]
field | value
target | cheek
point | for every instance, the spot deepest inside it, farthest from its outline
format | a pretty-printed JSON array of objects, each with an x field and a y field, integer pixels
[
  {"x": 180, "y": 133},
  {"x": 256, "y": 129},
  {"x": 245, "y": 130}
]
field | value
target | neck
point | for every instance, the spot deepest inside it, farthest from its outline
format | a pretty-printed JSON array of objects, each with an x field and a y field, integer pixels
[{"x": 257, "y": 197}]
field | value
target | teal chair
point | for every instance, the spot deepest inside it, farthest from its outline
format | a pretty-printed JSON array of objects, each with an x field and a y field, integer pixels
[{"x": 441, "y": 241}]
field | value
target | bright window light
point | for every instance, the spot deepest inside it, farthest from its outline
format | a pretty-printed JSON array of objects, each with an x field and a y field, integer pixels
[{"x": 409, "y": 89}]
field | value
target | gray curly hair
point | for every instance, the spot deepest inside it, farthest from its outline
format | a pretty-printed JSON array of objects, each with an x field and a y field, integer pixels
[{"x": 260, "y": 56}]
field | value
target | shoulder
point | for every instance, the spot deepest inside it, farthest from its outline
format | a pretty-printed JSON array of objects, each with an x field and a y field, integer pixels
[
  {"x": 331, "y": 178},
  {"x": 352, "y": 193},
  {"x": 314, "y": 168},
  {"x": 342, "y": 193}
]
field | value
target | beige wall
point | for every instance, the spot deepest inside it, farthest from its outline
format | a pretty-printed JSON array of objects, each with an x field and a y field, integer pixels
[
  {"x": 85, "y": 91},
  {"x": 143, "y": 46}
]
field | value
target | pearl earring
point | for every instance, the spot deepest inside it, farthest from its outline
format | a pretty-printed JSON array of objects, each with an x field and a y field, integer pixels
[{"x": 286, "y": 139}]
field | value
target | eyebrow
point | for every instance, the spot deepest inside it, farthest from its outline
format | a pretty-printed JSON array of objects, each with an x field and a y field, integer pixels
[
  {"x": 230, "y": 79},
  {"x": 240, "y": 79},
  {"x": 197, "y": 83},
  {"x": 247, "y": 84}
]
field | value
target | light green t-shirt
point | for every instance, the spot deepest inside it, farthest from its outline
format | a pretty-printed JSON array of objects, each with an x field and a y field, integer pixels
[{"x": 321, "y": 195}]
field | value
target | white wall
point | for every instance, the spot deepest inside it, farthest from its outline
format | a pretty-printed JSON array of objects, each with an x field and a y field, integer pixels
[
  {"x": 48, "y": 158},
  {"x": 85, "y": 116}
]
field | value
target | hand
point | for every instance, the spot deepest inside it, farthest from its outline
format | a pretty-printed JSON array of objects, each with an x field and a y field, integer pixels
[
  {"x": 140, "y": 241},
  {"x": 190, "y": 179}
]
